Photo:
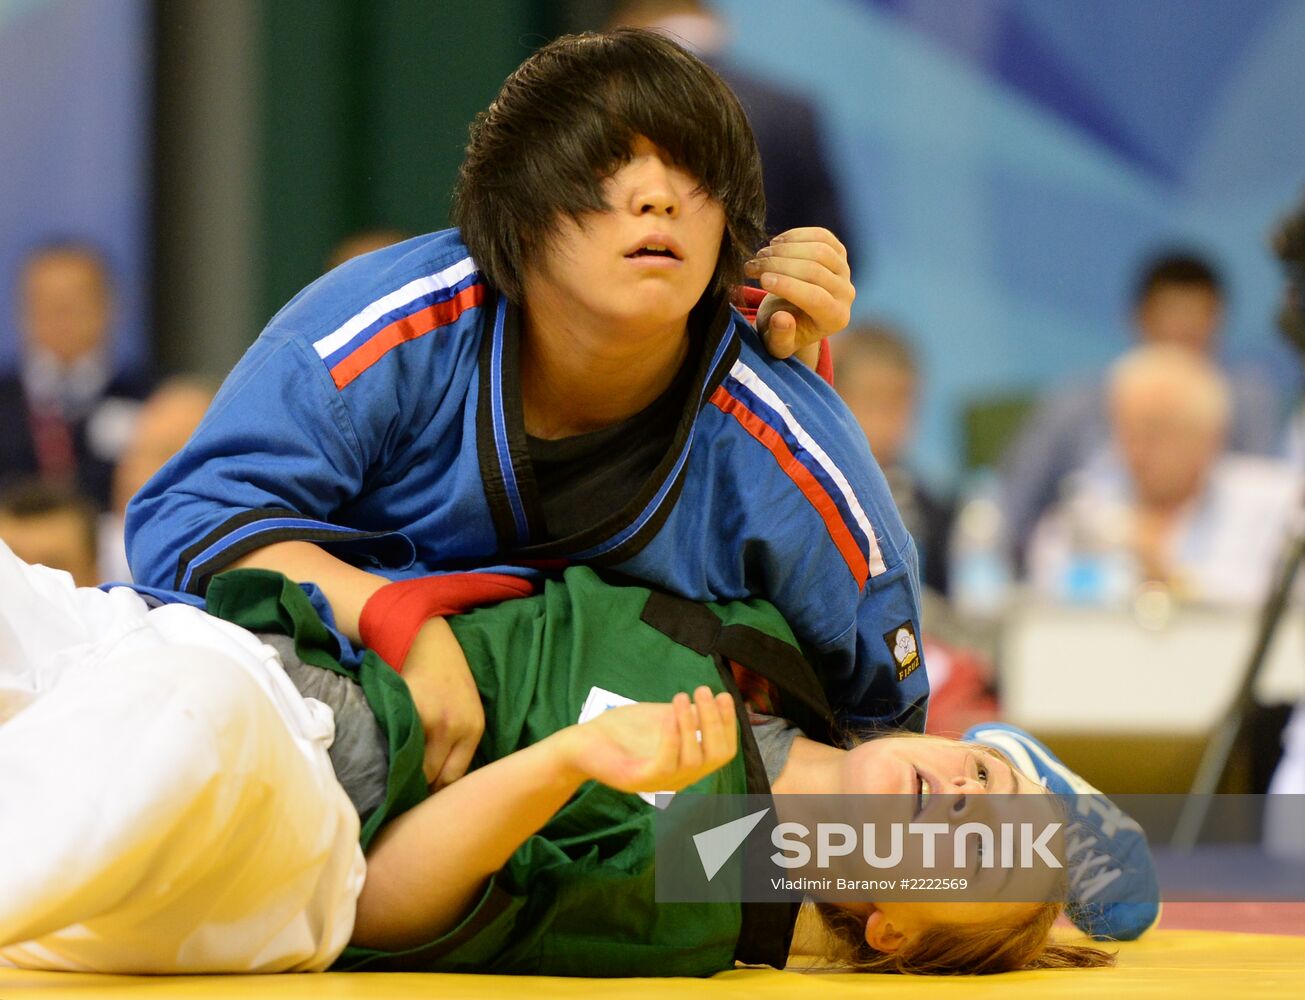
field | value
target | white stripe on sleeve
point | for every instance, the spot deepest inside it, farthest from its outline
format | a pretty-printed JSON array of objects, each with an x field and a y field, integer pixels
[
  {"x": 396, "y": 299},
  {"x": 761, "y": 390}
]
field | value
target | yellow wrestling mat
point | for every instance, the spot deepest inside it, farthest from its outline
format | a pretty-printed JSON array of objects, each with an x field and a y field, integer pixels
[{"x": 1194, "y": 965}]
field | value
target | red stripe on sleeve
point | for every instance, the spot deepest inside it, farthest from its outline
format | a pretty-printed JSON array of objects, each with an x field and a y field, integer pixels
[
  {"x": 402, "y": 330},
  {"x": 816, "y": 494}
]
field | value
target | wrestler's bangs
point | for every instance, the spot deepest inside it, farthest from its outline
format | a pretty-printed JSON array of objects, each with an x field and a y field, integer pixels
[
  {"x": 567, "y": 119},
  {"x": 684, "y": 108}
]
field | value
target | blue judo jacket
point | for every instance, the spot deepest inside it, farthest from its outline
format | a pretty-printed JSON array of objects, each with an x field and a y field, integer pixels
[{"x": 379, "y": 415}]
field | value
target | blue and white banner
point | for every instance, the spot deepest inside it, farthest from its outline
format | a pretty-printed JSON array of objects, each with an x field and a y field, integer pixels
[{"x": 1008, "y": 163}]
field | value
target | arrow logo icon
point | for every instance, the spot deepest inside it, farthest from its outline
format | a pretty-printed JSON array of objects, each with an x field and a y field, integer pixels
[{"x": 717, "y": 845}]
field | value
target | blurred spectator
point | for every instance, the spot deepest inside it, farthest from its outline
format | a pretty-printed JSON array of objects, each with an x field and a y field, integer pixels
[
  {"x": 800, "y": 188},
  {"x": 66, "y": 415},
  {"x": 1166, "y": 503},
  {"x": 166, "y": 421},
  {"x": 363, "y": 241},
  {"x": 876, "y": 373},
  {"x": 46, "y": 525},
  {"x": 1179, "y": 301}
]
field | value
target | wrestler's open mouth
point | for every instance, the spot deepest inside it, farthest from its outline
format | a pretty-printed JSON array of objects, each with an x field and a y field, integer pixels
[
  {"x": 654, "y": 250},
  {"x": 653, "y": 246},
  {"x": 922, "y": 793}
]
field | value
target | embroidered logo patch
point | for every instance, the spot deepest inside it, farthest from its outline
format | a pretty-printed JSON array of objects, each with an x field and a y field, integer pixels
[{"x": 905, "y": 649}]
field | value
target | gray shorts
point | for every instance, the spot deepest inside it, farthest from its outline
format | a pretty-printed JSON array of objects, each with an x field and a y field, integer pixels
[{"x": 359, "y": 754}]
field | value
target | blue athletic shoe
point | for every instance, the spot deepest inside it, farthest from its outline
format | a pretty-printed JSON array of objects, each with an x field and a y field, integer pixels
[{"x": 1113, "y": 890}]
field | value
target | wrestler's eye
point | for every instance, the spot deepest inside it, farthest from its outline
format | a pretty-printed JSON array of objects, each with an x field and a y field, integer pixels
[{"x": 983, "y": 774}]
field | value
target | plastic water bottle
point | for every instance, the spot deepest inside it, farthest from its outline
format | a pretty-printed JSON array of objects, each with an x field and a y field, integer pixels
[
  {"x": 1101, "y": 570},
  {"x": 980, "y": 557}
]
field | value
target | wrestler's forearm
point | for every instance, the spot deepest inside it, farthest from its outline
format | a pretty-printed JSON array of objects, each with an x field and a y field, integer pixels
[
  {"x": 346, "y": 587},
  {"x": 427, "y": 867},
  {"x": 441, "y": 684}
]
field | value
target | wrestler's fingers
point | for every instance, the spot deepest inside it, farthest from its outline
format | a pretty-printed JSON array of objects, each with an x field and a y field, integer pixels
[
  {"x": 782, "y": 334},
  {"x": 456, "y": 763},
  {"x": 811, "y": 271},
  {"x": 709, "y": 721},
  {"x": 729, "y": 720},
  {"x": 810, "y": 234},
  {"x": 434, "y": 758},
  {"x": 828, "y": 312},
  {"x": 681, "y": 708},
  {"x": 690, "y": 748},
  {"x": 820, "y": 253}
]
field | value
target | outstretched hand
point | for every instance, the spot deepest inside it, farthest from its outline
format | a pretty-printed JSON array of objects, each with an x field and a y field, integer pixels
[
  {"x": 810, "y": 291},
  {"x": 653, "y": 747}
]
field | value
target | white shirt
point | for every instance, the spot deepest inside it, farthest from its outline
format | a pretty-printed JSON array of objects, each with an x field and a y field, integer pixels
[{"x": 1224, "y": 546}]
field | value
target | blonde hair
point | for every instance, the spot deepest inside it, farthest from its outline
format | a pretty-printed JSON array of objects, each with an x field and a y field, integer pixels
[
  {"x": 837, "y": 934},
  {"x": 948, "y": 949},
  {"x": 1198, "y": 383}
]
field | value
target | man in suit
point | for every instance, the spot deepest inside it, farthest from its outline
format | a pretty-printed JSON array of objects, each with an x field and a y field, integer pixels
[{"x": 66, "y": 413}]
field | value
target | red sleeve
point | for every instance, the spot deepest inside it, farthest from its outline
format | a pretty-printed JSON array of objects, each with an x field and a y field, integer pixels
[
  {"x": 825, "y": 364},
  {"x": 394, "y": 614},
  {"x": 747, "y": 300}
]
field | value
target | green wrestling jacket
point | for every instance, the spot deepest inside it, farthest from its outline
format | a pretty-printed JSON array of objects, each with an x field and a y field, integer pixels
[{"x": 577, "y": 898}]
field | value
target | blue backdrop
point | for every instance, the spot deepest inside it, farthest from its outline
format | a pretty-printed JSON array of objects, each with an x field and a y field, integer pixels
[
  {"x": 1008, "y": 163},
  {"x": 74, "y": 155}
]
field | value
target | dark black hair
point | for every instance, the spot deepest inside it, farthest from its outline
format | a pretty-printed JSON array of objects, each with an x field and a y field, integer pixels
[
  {"x": 1176, "y": 268},
  {"x": 567, "y": 118},
  {"x": 1289, "y": 237},
  {"x": 29, "y": 498},
  {"x": 1289, "y": 245}
]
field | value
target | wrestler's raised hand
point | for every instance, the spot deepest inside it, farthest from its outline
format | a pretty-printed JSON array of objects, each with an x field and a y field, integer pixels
[
  {"x": 447, "y": 701},
  {"x": 654, "y": 747},
  {"x": 810, "y": 292}
]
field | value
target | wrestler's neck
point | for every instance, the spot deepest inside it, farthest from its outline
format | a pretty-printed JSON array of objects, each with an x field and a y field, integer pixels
[
  {"x": 581, "y": 372},
  {"x": 811, "y": 768}
]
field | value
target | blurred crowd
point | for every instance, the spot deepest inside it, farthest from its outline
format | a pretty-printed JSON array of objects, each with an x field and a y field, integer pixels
[
  {"x": 1167, "y": 469},
  {"x": 80, "y": 438}
]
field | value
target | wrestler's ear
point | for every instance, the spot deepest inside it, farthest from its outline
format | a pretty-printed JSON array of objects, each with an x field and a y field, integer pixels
[{"x": 881, "y": 935}]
